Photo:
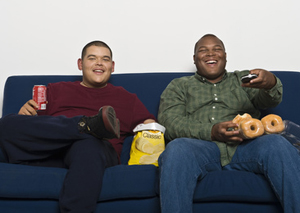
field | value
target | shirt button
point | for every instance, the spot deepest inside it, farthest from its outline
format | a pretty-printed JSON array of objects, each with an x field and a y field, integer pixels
[
  {"x": 213, "y": 107},
  {"x": 213, "y": 118},
  {"x": 215, "y": 85},
  {"x": 216, "y": 99}
]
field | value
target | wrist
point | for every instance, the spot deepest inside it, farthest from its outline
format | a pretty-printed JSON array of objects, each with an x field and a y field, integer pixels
[
  {"x": 212, "y": 136},
  {"x": 273, "y": 83}
]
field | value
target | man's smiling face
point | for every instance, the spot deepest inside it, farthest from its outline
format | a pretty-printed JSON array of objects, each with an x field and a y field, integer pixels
[
  {"x": 210, "y": 58},
  {"x": 97, "y": 66}
]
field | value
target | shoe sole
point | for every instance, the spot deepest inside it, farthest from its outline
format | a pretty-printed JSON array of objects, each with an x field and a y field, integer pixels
[{"x": 111, "y": 123}]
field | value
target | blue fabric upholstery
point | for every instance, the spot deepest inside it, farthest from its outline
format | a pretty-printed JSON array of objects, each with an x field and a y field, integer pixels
[
  {"x": 28, "y": 182},
  {"x": 255, "y": 188},
  {"x": 135, "y": 188}
]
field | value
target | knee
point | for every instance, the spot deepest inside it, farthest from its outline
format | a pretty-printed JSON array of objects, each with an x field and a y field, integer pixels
[
  {"x": 86, "y": 151},
  {"x": 276, "y": 145},
  {"x": 176, "y": 147},
  {"x": 4, "y": 121},
  {"x": 91, "y": 147},
  {"x": 187, "y": 149},
  {"x": 174, "y": 157},
  {"x": 173, "y": 151}
]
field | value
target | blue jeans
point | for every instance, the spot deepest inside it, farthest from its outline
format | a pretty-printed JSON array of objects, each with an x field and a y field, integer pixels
[{"x": 185, "y": 161}]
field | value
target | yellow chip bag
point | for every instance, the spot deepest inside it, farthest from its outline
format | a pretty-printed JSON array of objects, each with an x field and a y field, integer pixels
[{"x": 148, "y": 143}]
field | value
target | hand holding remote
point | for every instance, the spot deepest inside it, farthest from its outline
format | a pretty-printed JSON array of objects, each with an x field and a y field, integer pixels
[{"x": 264, "y": 80}]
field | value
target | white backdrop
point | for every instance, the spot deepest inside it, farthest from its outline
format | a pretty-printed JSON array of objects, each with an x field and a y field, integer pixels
[{"x": 46, "y": 37}]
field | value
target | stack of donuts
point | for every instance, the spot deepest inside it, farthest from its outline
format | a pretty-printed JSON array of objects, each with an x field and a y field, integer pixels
[{"x": 251, "y": 127}]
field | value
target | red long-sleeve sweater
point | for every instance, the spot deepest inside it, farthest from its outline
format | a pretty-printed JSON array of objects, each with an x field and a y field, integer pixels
[{"x": 71, "y": 99}]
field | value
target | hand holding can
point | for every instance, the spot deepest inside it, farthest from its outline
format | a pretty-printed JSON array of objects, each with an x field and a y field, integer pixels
[{"x": 39, "y": 95}]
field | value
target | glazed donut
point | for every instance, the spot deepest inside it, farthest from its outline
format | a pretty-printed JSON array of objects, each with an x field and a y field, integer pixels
[
  {"x": 248, "y": 126},
  {"x": 251, "y": 128},
  {"x": 272, "y": 124},
  {"x": 239, "y": 118}
]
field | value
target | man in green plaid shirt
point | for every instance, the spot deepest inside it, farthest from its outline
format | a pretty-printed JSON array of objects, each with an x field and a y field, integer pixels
[{"x": 197, "y": 112}]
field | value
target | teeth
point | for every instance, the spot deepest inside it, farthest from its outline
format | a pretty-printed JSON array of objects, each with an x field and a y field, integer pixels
[
  {"x": 211, "y": 62},
  {"x": 98, "y": 70}
]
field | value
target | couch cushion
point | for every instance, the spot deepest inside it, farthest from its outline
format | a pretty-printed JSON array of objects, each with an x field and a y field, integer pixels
[
  {"x": 33, "y": 182},
  {"x": 20, "y": 181},
  {"x": 136, "y": 181},
  {"x": 237, "y": 186}
]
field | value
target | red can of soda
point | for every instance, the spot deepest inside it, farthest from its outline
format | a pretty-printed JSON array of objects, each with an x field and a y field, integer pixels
[{"x": 39, "y": 96}]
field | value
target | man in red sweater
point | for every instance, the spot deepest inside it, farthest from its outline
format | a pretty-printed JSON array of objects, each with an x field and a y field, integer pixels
[{"x": 74, "y": 131}]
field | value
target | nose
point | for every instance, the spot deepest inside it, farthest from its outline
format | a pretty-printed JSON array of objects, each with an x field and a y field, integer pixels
[
  {"x": 99, "y": 62},
  {"x": 210, "y": 52}
]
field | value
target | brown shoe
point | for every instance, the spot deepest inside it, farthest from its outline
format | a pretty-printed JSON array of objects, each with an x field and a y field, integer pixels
[{"x": 103, "y": 125}]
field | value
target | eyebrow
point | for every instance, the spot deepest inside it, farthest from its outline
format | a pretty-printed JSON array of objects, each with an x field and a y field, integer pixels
[
  {"x": 217, "y": 45},
  {"x": 105, "y": 56}
]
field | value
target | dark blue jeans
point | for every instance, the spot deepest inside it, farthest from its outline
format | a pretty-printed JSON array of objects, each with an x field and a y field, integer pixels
[
  {"x": 56, "y": 142},
  {"x": 186, "y": 160}
]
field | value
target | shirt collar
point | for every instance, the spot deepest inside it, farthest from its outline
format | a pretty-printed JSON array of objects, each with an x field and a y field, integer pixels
[{"x": 204, "y": 80}]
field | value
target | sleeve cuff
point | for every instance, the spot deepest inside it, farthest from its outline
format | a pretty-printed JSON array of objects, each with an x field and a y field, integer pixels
[{"x": 273, "y": 91}]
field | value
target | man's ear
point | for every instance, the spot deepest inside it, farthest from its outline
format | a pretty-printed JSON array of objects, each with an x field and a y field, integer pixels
[
  {"x": 194, "y": 58},
  {"x": 113, "y": 67},
  {"x": 79, "y": 63}
]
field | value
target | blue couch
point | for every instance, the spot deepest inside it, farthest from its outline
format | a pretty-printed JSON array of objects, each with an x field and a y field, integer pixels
[{"x": 135, "y": 188}]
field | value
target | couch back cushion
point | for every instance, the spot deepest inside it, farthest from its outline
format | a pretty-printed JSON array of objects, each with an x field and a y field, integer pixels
[
  {"x": 288, "y": 109},
  {"x": 148, "y": 87}
]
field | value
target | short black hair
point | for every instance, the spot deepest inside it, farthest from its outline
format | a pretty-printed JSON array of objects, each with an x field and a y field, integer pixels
[
  {"x": 95, "y": 43},
  {"x": 207, "y": 35}
]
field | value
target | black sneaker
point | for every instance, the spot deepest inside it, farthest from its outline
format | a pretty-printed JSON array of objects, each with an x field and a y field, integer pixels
[{"x": 103, "y": 125}]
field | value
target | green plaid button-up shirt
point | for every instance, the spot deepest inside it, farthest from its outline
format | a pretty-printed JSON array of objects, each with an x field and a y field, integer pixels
[{"x": 191, "y": 105}]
